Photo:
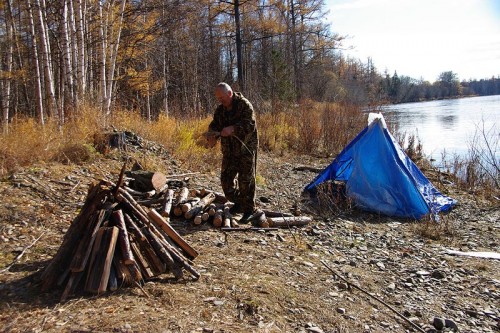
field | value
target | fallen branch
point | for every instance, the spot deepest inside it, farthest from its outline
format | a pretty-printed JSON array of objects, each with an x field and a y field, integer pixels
[
  {"x": 16, "y": 259},
  {"x": 415, "y": 326}
]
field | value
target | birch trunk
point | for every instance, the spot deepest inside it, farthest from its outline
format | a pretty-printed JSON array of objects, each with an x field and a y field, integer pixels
[
  {"x": 46, "y": 58},
  {"x": 112, "y": 59},
  {"x": 102, "y": 62},
  {"x": 67, "y": 76},
  {"x": 5, "y": 86},
  {"x": 80, "y": 45},
  {"x": 37, "y": 66}
]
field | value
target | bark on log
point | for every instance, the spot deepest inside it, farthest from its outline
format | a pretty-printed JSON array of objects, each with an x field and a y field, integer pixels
[
  {"x": 128, "y": 257},
  {"x": 270, "y": 213},
  {"x": 176, "y": 238},
  {"x": 288, "y": 221},
  {"x": 96, "y": 196},
  {"x": 102, "y": 256},
  {"x": 190, "y": 203},
  {"x": 166, "y": 207},
  {"x": 205, "y": 201},
  {"x": 176, "y": 255},
  {"x": 182, "y": 196},
  {"x": 133, "y": 208},
  {"x": 132, "y": 201},
  {"x": 227, "y": 218},
  {"x": 194, "y": 193},
  {"x": 198, "y": 219},
  {"x": 143, "y": 264},
  {"x": 218, "y": 218},
  {"x": 162, "y": 253},
  {"x": 82, "y": 253},
  {"x": 133, "y": 227},
  {"x": 145, "y": 181},
  {"x": 205, "y": 216}
]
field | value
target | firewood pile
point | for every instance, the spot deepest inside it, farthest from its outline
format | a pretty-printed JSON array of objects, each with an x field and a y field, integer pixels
[
  {"x": 115, "y": 242},
  {"x": 174, "y": 199},
  {"x": 123, "y": 234}
]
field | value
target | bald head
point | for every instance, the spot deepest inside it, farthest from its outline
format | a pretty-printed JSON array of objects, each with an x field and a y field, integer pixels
[{"x": 224, "y": 94}]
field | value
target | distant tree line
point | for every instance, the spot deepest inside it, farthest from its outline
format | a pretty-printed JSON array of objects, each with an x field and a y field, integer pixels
[{"x": 404, "y": 89}]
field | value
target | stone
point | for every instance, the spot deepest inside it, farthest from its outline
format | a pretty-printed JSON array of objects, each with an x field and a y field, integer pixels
[
  {"x": 341, "y": 310},
  {"x": 438, "y": 274},
  {"x": 451, "y": 324},
  {"x": 438, "y": 323}
]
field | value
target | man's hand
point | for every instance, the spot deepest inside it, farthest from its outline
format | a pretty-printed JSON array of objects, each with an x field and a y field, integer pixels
[
  {"x": 227, "y": 131},
  {"x": 211, "y": 141}
]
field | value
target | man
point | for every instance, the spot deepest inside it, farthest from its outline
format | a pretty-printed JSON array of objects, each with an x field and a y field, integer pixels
[{"x": 234, "y": 119}]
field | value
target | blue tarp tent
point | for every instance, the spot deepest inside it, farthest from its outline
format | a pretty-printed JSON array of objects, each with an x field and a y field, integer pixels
[{"x": 380, "y": 177}]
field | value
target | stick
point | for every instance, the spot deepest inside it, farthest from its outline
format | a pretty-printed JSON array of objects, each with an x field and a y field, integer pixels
[
  {"x": 249, "y": 229},
  {"x": 120, "y": 177},
  {"x": 174, "y": 236},
  {"x": 128, "y": 257},
  {"x": 16, "y": 259},
  {"x": 415, "y": 326}
]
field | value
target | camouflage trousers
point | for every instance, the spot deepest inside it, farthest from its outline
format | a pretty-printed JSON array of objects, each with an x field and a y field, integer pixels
[{"x": 238, "y": 179}]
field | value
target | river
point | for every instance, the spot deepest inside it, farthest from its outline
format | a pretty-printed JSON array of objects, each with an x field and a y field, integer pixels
[{"x": 446, "y": 128}]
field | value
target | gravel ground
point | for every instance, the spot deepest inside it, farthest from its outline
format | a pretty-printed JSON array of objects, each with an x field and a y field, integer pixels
[{"x": 259, "y": 281}]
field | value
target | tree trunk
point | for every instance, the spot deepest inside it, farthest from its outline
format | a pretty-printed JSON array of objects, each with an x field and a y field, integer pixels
[
  {"x": 239, "y": 55},
  {"x": 50, "y": 97},
  {"x": 38, "y": 79},
  {"x": 5, "y": 87}
]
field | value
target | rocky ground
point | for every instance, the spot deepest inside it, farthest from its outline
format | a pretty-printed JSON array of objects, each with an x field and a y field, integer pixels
[{"x": 259, "y": 281}]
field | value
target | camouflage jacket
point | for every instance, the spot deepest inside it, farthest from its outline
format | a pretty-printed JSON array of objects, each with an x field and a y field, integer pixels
[{"x": 242, "y": 117}]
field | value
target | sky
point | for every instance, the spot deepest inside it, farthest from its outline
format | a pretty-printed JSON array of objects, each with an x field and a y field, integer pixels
[{"x": 421, "y": 38}]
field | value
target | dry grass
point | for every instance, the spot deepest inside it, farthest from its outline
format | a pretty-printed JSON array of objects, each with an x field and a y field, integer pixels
[
  {"x": 445, "y": 230},
  {"x": 307, "y": 128}
]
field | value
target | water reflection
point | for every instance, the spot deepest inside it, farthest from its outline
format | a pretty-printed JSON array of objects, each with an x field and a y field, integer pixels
[
  {"x": 448, "y": 121},
  {"x": 445, "y": 126}
]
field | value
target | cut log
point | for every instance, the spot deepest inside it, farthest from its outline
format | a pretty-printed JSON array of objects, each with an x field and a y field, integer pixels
[
  {"x": 205, "y": 216},
  {"x": 133, "y": 208},
  {"x": 134, "y": 228},
  {"x": 145, "y": 181},
  {"x": 200, "y": 206},
  {"x": 123, "y": 239},
  {"x": 288, "y": 221},
  {"x": 198, "y": 219},
  {"x": 166, "y": 207},
  {"x": 270, "y": 213},
  {"x": 82, "y": 253},
  {"x": 212, "y": 209},
  {"x": 176, "y": 238},
  {"x": 226, "y": 223},
  {"x": 143, "y": 264},
  {"x": 190, "y": 203},
  {"x": 174, "y": 252},
  {"x": 182, "y": 196},
  {"x": 148, "y": 194},
  {"x": 102, "y": 256},
  {"x": 218, "y": 218},
  {"x": 194, "y": 193},
  {"x": 162, "y": 253}
]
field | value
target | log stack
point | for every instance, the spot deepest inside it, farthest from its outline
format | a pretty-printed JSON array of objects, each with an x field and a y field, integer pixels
[{"x": 115, "y": 241}]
